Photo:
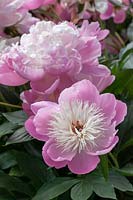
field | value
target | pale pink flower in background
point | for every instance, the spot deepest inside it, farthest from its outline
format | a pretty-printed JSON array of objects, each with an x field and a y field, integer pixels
[
  {"x": 15, "y": 13},
  {"x": 79, "y": 128},
  {"x": 117, "y": 12},
  {"x": 11, "y": 11},
  {"x": 24, "y": 25},
  {"x": 8, "y": 75}
]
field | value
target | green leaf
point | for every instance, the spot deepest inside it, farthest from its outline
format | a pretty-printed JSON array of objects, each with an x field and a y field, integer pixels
[
  {"x": 17, "y": 117},
  {"x": 55, "y": 188},
  {"x": 127, "y": 170},
  {"x": 5, "y": 195},
  {"x": 126, "y": 145},
  {"x": 31, "y": 167},
  {"x": 82, "y": 190},
  {"x": 14, "y": 184},
  {"x": 19, "y": 136},
  {"x": 104, "y": 189},
  {"x": 104, "y": 166},
  {"x": 120, "y": 182},
  {"x": 7, "y": 128},
  {"x": 101, "y": 187},
  {"x": 7, "y": 160}
]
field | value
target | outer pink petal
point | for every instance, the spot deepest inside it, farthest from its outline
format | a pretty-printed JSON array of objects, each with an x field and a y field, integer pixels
[
  {"x": 48, "y": 160},
  {"x": 99, "y": 75},
  {"x": 91, "y": 50},
  {"x": 83, "y": 163},
  {"x": 83, "y": 90},
  {"x": 11, "y": 79},
  {"x": 42, "y": 119},
  {"x": 42, "y": 104},
  {"x": 121, "y": 112},
  {"x": 48, "y": 2},
  {"x": 108, "y": 13},
  {"x": 57, "y": 154},
  {"x": 30, "y": 127},
  {"x": 104, "y": 151},
  {"x": 45, "y": 83},
  {"x": 120, "y": 16},
  {"x": 108, "y": 104},
  {"x": 32, "y": 4}
]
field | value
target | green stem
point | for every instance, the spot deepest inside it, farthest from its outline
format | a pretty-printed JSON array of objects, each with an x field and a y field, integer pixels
[
  {"x": 9, "y": 105},
  {"x": 114, "y": 160}
]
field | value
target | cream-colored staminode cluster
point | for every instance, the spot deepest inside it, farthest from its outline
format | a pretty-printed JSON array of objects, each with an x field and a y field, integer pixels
[{"x": 77, "y": 126}]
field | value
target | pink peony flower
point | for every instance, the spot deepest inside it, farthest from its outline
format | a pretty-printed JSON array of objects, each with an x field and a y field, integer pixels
[
  {"x": 79, "y": 128},
  {"x": 61, "y": 55},
  {"x": 11, "y": 12},
  {"x": 8, "y": 75},
  {"x": 117, "y": 12}
]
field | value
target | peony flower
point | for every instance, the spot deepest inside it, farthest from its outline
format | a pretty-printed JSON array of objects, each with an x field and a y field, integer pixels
[
  {"x": 8, "y": 75},
  {"x": 118, "y": 12},
  {"x": 61, "y": 55},
  {"x": 79, "y": 128},
  {"x": 11, "y": 12}
]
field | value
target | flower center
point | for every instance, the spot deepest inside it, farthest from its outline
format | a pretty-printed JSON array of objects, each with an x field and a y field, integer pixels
[{"x": 77, "y": 126}]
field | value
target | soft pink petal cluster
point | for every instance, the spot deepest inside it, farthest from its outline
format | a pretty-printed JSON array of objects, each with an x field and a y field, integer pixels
[
  {"x": 118, "y": 12},
  {"x": 77, "y": 129},
  {"x": 104, "y": 9},
  {"x": 15, "y": 12},
  {"x": 61, "y": 55}
]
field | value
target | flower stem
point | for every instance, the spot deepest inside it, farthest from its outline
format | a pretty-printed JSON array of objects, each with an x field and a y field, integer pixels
[
  {"x": 114, "y": 160},
  {"x": 9, "y": 105}
]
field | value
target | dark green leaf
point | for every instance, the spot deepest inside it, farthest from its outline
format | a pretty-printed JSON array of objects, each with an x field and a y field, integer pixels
[
  {"x": 120, "y": 182},
  {"x": 101, "y": 187},
  {"x": 127, "y": 170},
  {"x": 19, "y": 136},
  {"x": 55, "y": 188},
  {"x": 7, "y": 128},
  {"x": 17, "y": 117},
  {"x": 82, "y": 190},
  {"x": 32, "y": 167},
  {"x": 104, "y": 189},
  {"x": 7, "y": 160},
  {"x": 5, "y": 195},
  {"x": 14, "y": 184}
]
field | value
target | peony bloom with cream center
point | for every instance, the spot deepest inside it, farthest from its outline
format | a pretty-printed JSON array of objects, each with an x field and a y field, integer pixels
[{"x": 79, "y": 128}]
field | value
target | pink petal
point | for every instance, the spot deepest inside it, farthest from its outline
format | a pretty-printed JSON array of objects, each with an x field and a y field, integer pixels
[
  {"x": 48, "y": 160},
  {"x": 30, "y": 127},
  {"x": 108, "y": 104},
  {"x": 32, "y": 4},
  {"x": 83, "y": 90},
  {"x": 42, "y": 119},
  {"x": 120, "y": 16},
  {"x": 106, "y": 150},
  {"x": 109, "y": 12},
  {"x": 45, "y": 83},
  {"x": 58, "y": 154},
  {"x": 121, "y": 112},
  {"x": 11, "y": 79},
  {"x": 83, "y": 163},
  {"x": 42, "y": 104}
]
